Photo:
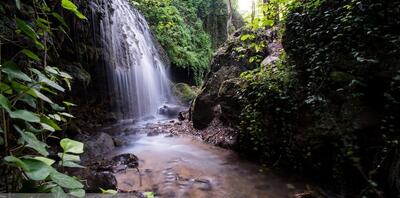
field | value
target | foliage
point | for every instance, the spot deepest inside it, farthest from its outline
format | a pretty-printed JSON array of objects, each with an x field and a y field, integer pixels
[
  {"x": 332, "y": 115},
  {"x": 267, "y": 94},
  {"x": 180, "y": 32},
  {"x": 32, "y": 109},
  {"x": 184, "y": 92}
]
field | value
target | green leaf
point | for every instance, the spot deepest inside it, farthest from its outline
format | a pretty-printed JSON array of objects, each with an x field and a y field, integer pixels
[
  {"x": 29, "y": 100},
  {"x": 45, "y": 160},
  {"x": 14, "y": 72},
  {"x": 18, "y": 4},
  {"x": 44, "y": 79},
  {"x": 69, "y": 157},
  {"x": 5, "y": 88},
  {"x": 33, "y": 142},
  {"x": 67, "y": 115},
  {"x": 68, "y": 104},
  {"x": 65, "y": 75},
  {"x": 71, "y": 146},
  {"x": 57, "y": 107},
  {"x": 67, "y": 4},
  {"x": 38, "y": 170},
  {"x": 41, "y": 96},
  {"x": 77, "y": 192},
  {"x": 109, "y": 191},
  {"x": 30, "y": 54},
  {"x": 16, "y": 162},
  {"x": 25, "y": 115},
  {"x": 52, "y": 70},
  {"x": 26, "y": 29},
  {"x": 60, "y": 19},
  {"x": 58, "y": 192},
  {"x": 47, "y": 127},
  {"x": 49, "y": 122},
  {"x": 5, "y": 103},
  {"x": 71, "y": 164},
  {"x": 65, "y": 180}
]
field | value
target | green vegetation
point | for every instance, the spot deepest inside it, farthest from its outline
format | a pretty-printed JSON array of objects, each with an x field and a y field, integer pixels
[
  {"x": 180, "y": 31},
  {"x": 184, "y": 92},
  {"x": 33, "y": 111},
  {"x": 332, "y": 104}
]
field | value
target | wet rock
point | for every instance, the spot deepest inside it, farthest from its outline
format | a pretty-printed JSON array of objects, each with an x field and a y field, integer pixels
[
  {"x": 181, "y": 117},
  {"x": 128, "y": 159},
  {"x": 169, "y": 110},
  {"x": 118, "y": 142},
  {"x": 97, "y": 146},
  {"x": 203, "y": 184},
  {"x": 153, "y": 133}
]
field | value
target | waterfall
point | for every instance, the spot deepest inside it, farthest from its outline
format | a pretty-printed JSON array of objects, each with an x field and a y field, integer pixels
[{"x": 137, "y": 78}]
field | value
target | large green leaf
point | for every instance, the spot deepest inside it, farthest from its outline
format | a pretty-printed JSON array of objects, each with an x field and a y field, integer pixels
[
  {"x": 5, "y": 103},
  {"x": 43, "y": 97},
  {"x": 71, "y": 146},
  {"x": 65, "y": 180},
  {"x": 69, "y": 5},
  {"x": 26, "y": 29},
  {"x": 14, "y": 72},
  {"x": 16, "y": 162},
  {"x": 38, "y": 170},
  {"x": 50, "y": 122},
  {"x": 44, "y": 79},
  {"x": 24, "y": 115},
  {"x": 32, "y": 141},
  {"x": 30, "y": 54}
]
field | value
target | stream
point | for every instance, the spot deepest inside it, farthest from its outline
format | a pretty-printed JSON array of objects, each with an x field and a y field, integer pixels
[{"x": 175, "y": 166}]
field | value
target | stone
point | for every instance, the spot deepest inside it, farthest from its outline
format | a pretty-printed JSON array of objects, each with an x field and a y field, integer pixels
[{"x": 97, "y": 146}]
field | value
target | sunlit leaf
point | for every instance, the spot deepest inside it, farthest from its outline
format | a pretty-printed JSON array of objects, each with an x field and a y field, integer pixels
[
  {"x": 109, "y": 191},
  {"x": 67, "y": 4},
  {"x": 71, "y": 146}
]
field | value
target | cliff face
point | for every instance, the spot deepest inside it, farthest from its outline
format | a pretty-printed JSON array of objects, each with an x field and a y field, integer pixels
[
  {"x": 338, "y": 114},
  {"x": 228, "y": 63}
]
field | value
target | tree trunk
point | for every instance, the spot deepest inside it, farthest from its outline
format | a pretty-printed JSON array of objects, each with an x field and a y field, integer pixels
[{"x": 230, "y": 16}]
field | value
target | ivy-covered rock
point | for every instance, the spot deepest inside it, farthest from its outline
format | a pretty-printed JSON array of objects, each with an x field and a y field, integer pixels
[{"x": 244, "y": 51}]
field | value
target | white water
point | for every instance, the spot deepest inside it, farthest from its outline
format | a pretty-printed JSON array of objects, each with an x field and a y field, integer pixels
[{"x": 137, "y": 78}]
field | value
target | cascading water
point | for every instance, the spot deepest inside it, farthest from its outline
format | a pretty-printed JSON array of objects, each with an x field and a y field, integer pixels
[{"x": 137, "y": 78}]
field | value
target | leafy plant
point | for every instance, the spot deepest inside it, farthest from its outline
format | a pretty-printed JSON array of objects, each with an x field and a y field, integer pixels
[{"x": 32, "y": 110}]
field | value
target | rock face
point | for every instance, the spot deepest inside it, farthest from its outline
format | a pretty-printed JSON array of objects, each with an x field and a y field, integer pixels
[
  {"x": 96, "y": 146},
  {"x": 229, "y": 62}
]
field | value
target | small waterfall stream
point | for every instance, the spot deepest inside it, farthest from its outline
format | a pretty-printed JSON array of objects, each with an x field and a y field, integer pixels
[{"x": 137, "y": 77}]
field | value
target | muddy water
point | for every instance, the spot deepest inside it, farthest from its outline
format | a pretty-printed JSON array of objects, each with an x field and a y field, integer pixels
[{"x": 186, "y": 167}]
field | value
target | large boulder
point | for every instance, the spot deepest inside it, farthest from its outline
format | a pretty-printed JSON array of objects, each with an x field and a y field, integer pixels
[
  {"x": 229, "y": 62},
  {"x": 97, "y": 146}
]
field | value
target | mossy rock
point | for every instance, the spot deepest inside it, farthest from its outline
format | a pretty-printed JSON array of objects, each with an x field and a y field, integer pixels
[{"x": 184, "y": 92}]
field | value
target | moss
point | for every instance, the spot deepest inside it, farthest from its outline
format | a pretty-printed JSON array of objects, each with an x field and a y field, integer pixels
[{"x": 184, "y": 92}]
